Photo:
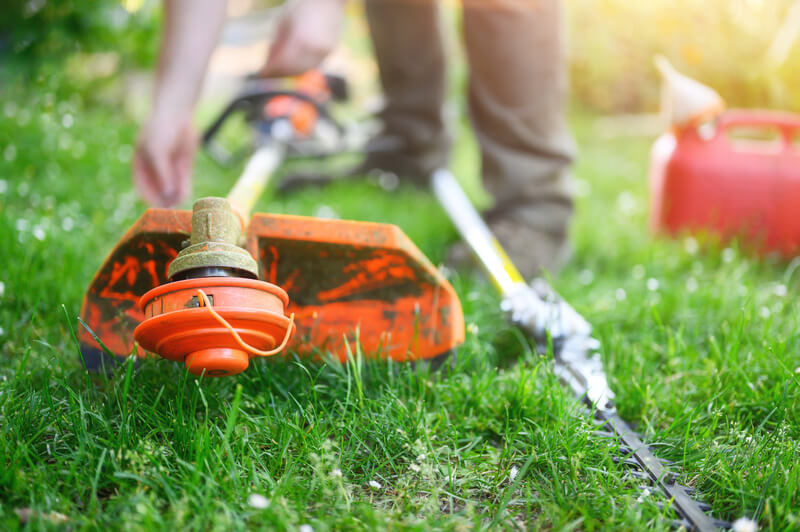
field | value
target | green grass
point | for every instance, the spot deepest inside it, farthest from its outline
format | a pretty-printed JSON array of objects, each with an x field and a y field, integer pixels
[{"x": 701, "y": 347}]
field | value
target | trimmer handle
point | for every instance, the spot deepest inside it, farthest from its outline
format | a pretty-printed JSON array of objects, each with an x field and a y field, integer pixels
[
  {"x": 337, "y": 85},
  {"x": 299, "y": 102},
  {"x": 254, "y": 107}
]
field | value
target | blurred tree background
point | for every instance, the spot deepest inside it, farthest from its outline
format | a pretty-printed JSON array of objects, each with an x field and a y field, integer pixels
[
  {"x": 37, "y": 30},
  {"x": 724, "y": 43},
  {"x": 745, "y": 49}
]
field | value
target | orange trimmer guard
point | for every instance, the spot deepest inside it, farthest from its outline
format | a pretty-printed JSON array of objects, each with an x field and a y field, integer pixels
[
  {"x": 348, "y": 283},
  {"x": 362, "y": 281}
]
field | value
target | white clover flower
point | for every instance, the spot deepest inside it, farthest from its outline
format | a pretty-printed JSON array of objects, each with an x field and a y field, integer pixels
[
  {"x": 691, "y": 285},
  {"x": 3, "y": 333},
  {"x": 257, "y": 501},
  {"x": 421, "y": 457},
  {"x": 513, "y": 473},
  {"x": 797, "y": 370},
  {"x": 64, "y": 142},
  {"x": 583, "y": 189},
  {"x": 79, "y": 149},
  {"x": 414, "y": 467},
  {"x": 306, "y": 528},
  {"x": 764, "y": 312},
  {"x": 690, "y": 245},
  {"x": 374, "y": 484},
  {"x": 472, "y": 328},
  {"x": 446, "y": 272},
  {"x": 38, "y": 233},
  {"x": 728, "y": 254},
  {"x": 652, "y": 284},
  {"x": 638, "y": 272},
  {"x": 627, "y": 203},
  {"x": 10, "y": 153},
  {"x": 2, "y": 288},
  {"x": 23, "y": 117},
  {"x": 337, "y": 473},
  {"x": 780, "y": 290},
  {"x": 67, "y": 224},
  {"x": 620, "y": 294},
  {"x": 125, "y": 153},
  {"x": 388, "y": 181},
  {"x": 644, "y": 494},
  {"x": 586, "y": 277},
  {"x": 744, "y": 524},
  {"x": 326, "y": 212}
]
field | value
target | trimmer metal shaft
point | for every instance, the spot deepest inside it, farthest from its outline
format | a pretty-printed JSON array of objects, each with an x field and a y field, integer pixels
[{"x": 538, "y": 310}]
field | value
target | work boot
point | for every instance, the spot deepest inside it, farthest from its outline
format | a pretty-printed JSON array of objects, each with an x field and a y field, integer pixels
[
  {"x": 517, "y": 88},
  {"x": 409, "y": 50},
  {"x": 388, "y": 162},
  {"x": 534, "y": 247},
  {"x": 406, "y": 162}
]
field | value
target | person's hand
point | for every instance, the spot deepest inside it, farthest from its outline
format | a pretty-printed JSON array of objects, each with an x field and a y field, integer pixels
[
  {"x": 307, "y": 32},
  {"x": 162, "y": 164}
]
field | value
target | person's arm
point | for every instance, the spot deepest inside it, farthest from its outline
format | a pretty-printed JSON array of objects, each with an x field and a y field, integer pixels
[
  {"x": 167, "y": 142},
  {"x": 307, "y": 32},
  {"x": 191, "y": 32}
]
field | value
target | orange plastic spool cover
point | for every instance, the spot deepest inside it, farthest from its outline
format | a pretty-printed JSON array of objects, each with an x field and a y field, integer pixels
[{"x": 179, "y": 326}]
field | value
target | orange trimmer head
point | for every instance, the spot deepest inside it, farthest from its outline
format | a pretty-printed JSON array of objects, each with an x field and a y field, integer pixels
[
  {"x": 349, "y": 285},
  {"x": 214, "y": 324}
]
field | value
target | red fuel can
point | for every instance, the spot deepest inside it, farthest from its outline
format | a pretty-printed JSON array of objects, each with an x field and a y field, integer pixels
[{"x": 736, "y": 176}]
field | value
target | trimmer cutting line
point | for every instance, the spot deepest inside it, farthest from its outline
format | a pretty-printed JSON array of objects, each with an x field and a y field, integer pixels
[{"x": 347, "y": 285}]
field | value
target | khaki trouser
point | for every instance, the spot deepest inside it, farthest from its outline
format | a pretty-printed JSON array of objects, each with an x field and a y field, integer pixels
[{"x": 517, "y": 86}]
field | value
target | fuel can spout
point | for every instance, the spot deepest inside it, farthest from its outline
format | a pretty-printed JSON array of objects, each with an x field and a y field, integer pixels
[{"x": 685, "y": 102}]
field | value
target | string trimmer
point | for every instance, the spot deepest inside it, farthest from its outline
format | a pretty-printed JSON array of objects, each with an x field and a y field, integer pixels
[
  {"x": 340, "y": 277},
  {"x": 212, "y": 287}
]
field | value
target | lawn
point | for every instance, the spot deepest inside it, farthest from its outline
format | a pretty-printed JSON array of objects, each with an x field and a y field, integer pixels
[{"x": 701, "y": 345}]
